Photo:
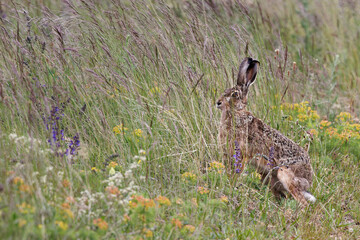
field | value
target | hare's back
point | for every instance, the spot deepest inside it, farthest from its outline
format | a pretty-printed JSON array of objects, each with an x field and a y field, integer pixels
[{"x": 263, "y": 139}]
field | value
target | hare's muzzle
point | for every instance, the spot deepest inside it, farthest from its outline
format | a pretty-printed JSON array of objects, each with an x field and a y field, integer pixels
[{"x": 218, "y": 104}]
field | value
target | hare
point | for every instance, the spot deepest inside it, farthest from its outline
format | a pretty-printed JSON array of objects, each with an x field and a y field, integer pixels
[{"x": 275, "y": 156}]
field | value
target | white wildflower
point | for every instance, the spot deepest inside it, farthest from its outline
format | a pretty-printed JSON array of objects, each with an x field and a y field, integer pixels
[
  {"x": 43, "y": 179},
  {"x": 134, "y": 165},
  {"x": 128, "y": 174},
  {"x": 12, "y": 136},
  {"x": 49, "y": 169},
  {"x": 60, "y": 174}
]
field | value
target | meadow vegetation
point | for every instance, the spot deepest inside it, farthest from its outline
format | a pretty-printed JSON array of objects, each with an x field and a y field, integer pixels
[{"x": 108, "y": 123}]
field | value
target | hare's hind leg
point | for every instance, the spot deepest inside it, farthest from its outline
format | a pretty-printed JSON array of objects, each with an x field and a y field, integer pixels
[
  {"x": 303, "y": 184},
  {"x": 287, "y": 177}
]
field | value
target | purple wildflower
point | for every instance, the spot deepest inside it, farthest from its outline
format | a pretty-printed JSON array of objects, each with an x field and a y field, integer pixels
[
  {"x": 57, "y": 139},
  {"x": 73, "y": 145},
  {"x": 271, "y": 157},
  {"x": 238, "y": 158},
  {"x": 53, "y": 123}
]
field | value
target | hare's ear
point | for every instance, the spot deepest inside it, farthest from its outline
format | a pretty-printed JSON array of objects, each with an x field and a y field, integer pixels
[{"x": 247, "y": 73}]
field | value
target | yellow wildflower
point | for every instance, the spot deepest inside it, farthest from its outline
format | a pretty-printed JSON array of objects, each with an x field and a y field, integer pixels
[
  {"x": 313, "y": 132},
  {"x": 189, "y": 228},
  {"x": 303, "y": 117},
  {"x": 296, "y": 106},
  {"x": 355, "y": 126},
  {"x": 22, "y": 222},
  {"x": 217, "y": 166},
  {"x": 285, "y": 106},
  {"x": 188, "y": 176},
  {"x": 133, "y": 204},
  {"x": 256, "y": 175},
  {"x": 119, "y": 129},
  {"x": 26, "y": 208},
  {"x": 304, "y": 104},
  {"x": 324, "y": 124},
  {"x": 288, "y": 117},
  {"x": 18, "y": 180},
  {"x": 138, "y": 132},
  {"x": 224, "y": 199},
  {"x": 94, "y": 169},
  {"x": 62, "y": 225},
  {"x": 154, "y": 90},
  {"x": 343, "y": 117},
  {"x": 346, "y": 134},
  {"x": 314, "y": 115},
  {"x": 68, "y": 213},
  {"x": 163, "y": 200},
  {"x": 148, "y": 233}
]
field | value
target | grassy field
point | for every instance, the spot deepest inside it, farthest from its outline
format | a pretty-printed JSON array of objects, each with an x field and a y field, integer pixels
[{"x": 109, "y": 128}]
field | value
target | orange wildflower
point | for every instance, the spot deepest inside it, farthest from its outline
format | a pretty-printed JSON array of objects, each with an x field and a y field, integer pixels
[
  {"x": 113, "y": 190},
  {"x": 112, "y": 164},
  {"x": 25, "y": 188},
  {"x": 65, "y": 183},
  {"x": 141, "y": 201},
  {"x": 100, "y": 223},
  {"x": 176, "y": 222},
  {"x": 203, "y": 190}
]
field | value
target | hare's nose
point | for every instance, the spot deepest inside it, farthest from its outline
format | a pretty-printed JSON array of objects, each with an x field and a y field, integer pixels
[{"x": 218, "y": 103}]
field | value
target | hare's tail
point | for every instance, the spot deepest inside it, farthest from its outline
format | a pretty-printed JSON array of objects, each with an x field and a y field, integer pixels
[
  {"x": 286, "y": 177},
  {"x": 308, "y": 196}
]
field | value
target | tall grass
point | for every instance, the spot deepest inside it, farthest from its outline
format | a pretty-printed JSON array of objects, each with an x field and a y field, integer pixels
[{"x": 128, "y": 76}]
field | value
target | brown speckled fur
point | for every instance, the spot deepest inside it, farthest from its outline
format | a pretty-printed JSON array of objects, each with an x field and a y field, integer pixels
[{"x": 290, "y": 170}]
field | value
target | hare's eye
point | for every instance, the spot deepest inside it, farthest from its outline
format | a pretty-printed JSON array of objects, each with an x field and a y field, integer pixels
[{"x": 235, "y": 94}]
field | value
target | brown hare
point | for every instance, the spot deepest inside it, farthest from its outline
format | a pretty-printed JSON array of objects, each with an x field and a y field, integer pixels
[{"x": 276, "y": 157}]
